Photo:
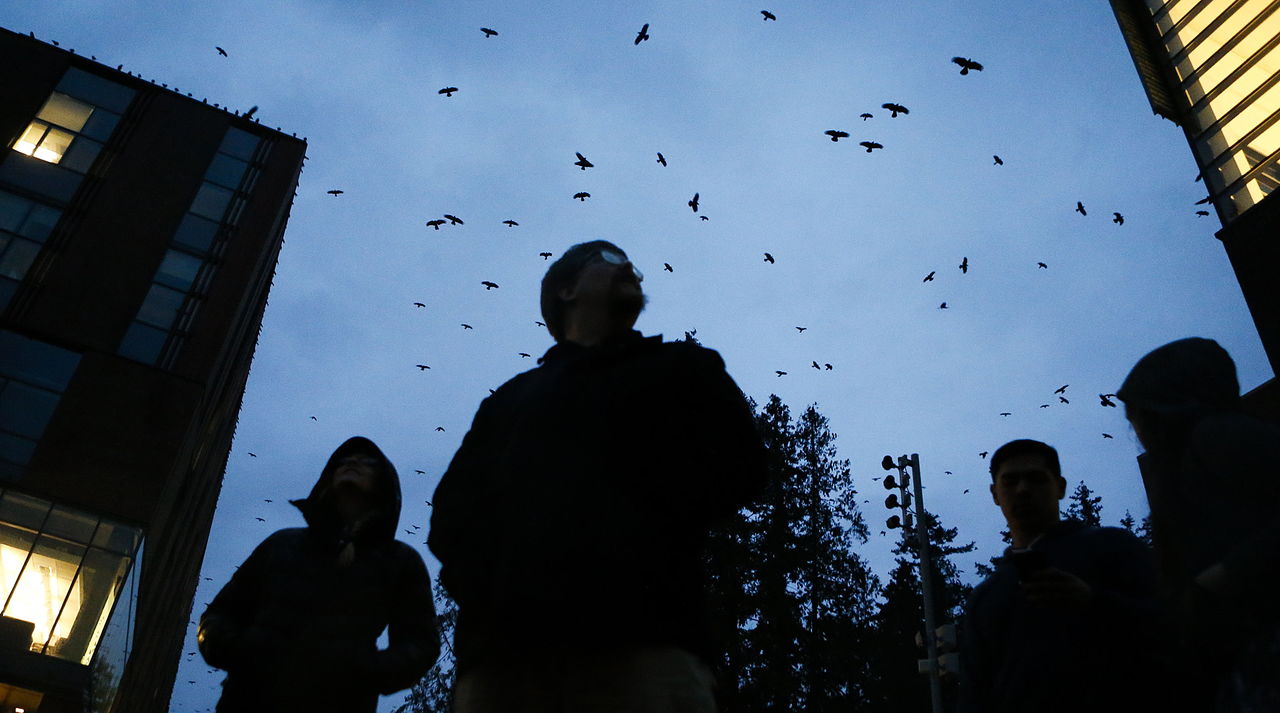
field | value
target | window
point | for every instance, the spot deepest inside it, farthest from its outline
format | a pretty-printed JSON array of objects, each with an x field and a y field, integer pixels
[
  {"x": 24, "y": 225},
  {"x": 62, "y": 132},
  {"x": 33, "y": 376},
  {"x": 61, "y": 571}
]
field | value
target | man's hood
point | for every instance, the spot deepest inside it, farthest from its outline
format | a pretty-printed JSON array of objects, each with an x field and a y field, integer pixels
[
  {"x": 319, "y": 508},
  {"x": 1183, "y": 379}
]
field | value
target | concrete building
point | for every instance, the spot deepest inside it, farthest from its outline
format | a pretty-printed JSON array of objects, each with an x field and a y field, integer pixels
[
  {"x": 139, "y": 231},
  {"x": 1213, "y": 68}
]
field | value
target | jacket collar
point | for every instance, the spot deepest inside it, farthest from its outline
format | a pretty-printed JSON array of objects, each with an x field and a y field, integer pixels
[{"x": 567, "y": 352}]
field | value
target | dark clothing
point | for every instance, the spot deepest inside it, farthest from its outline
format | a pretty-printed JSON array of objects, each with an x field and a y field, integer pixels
[
  {"x": 1018, "y": 657},
  {"x": 297, "y": 626},
  {"x": 573, "y": 514},
  {"x": 1212, "y": 475}
]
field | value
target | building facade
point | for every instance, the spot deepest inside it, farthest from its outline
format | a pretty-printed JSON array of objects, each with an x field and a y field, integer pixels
[
  {"x": 1213, "y": 68},
  {"x": 139, "y": 231}
]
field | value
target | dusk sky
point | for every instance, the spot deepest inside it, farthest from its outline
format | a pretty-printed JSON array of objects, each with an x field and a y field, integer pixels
[{"x": 738, "y": 106}]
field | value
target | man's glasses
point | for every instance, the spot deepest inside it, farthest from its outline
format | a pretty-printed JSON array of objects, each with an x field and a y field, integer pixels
[{"x": 613, "y": 257}]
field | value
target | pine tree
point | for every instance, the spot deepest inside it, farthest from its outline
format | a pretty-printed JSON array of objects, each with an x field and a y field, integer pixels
[
  {"x": 1085, "y": 506},
  {"x": 433, "y": 693}
]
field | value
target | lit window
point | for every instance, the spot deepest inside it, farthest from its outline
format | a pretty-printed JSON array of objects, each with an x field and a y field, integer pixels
[{"x": 50, "y": 135}]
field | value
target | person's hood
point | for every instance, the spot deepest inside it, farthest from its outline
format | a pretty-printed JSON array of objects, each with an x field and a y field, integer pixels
[
  {"x": 1183, "y": 379},
  {"x": 321, "y": 513}
]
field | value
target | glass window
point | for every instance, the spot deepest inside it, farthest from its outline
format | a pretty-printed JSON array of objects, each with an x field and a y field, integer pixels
[
  {"x": 17, "y": 257},
  {"x": 70, "y": 114},
  {"x": 100, "y": 125},
  {"x": 25, "y": 410},
  {"x": 178, "y": 270},
  {"x": 226, "y": 171},
  {"x": 40, "y": 222},
  {"x": 16, "y": 449},
  {"x": 196, "y": 232},
  {"x": 43, "y": 586},
  {"x": 36, "y": 362},
  {"x": 97, "y": 585},
  {"x": 40, "y": 177},
  {"x": 23, "y": 510},
  {"x": 161, "y": 306},
  {"x": 13, "y": 211},
  {"x": 71, "y": 524},
  {"x": 116, "y": 642},
  {"x": 96, "y": 90},
  {"x": 116, "y": 537},
  {"x": 30, "y": 139},
  {"x": 143, "y": 343},
  {"x": 81, "y": 155},
  {"x": 211, "y": 201},
  {"x": 239, "y": 143}
]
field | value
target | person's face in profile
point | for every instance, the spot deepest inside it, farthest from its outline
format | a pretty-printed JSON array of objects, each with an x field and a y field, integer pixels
[
  {"x": 1028, "y": 492},
  {"x": 609, "y": 278}
]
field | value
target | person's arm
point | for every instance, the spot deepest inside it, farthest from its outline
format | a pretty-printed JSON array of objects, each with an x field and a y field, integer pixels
[
  {"x": 459, "y": 526},
  {"x": 726, "y": 433},
  {"x": 414, "y": 641},
  {"x": 227, "y": 636}
]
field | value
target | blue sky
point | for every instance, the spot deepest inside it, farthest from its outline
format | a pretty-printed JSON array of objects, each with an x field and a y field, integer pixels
[{"x": 738, "y": 106}]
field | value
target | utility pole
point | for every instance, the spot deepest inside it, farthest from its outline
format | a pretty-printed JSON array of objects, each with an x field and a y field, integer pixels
[{"x": 908, "y": 468}]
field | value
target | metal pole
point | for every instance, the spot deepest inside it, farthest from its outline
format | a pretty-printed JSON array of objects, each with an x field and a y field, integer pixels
[{"x": 926, "y": 586}]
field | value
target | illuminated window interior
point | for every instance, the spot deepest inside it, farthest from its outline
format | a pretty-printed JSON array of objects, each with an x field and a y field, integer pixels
[
  {"x": 1226, "y": 55},
  {"x": 50, "y": 134},
  {"x": 61, "y": 570}
]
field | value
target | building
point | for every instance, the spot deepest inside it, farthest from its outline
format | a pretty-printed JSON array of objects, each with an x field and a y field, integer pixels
[
  {"x": 1213, "y": 68},
  {"x": 139, "y": 231}
]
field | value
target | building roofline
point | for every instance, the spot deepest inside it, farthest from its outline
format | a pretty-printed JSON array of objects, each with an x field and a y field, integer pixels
[{"x": 1149, "y": 59}]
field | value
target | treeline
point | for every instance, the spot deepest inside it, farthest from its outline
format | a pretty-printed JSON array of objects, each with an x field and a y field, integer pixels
[{"x": 804, "y": 624}]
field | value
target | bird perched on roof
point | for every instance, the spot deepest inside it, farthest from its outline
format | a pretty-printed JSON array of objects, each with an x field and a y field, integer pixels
[
  {"x": 943, "y": 306},
  {"x": 870, "y": 145},
  {"x": 768, "y": 258},
  {"x": 1106, "y": 400},
  {"x": 865, "y": 116},
  {"x": 966, "y": 64},
  {"x": 435, "y": 223},
  {"x": 453, "y": 219},
  {"x": 661, "y": 159},
  {"x": 895, "y": 109},
  {"x": 544, "y": 256},
  {"x": 929, "y": 277},
  {"x": 448, "y": 91},
  {"x": 1118, "y": 219},
  {"x": 1080, "y": 208},
  {"x": 488, "y": 33},
  {"x": 421, "y": 367},
  {"x": 667, "y": 266},
  {"x": 582, "y": 196},
  {"x": 582, "y": 161},
  {"x": 488, "y": 285},
  {"x": 693, "y": 203},
  {"x": 643, "y": 34},
  {"x": 221, "y": 51},
  {"x": 250, "y": 113},
  {"x": 510, "y": 223},
  {"x": 769, "y": 16},
  {"x": 1061, "y": 389},
  {"x": 964, "y": 266},
  {"x": 467, "y": 326},
  {"x": 780, "y": 373},
  {"x": 997, "y": 159},
  {"x": 335, "y": 192},
  {"x": 1042, "y": 266},
  {"x": 836, "y": 134}
]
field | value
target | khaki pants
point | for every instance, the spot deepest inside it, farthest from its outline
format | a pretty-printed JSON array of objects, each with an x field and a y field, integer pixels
[{"x": 634, "y": 680}]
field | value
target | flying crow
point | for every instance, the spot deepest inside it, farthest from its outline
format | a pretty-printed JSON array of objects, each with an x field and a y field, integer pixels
[
  {"x": 643, "y": 34},
  {"x": 966, "y": 64}
]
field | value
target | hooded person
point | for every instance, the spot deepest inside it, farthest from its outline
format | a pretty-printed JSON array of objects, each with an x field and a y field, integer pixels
[
  {"x": 297, "y": 626},
  {"x": 1212, "y": 475}
]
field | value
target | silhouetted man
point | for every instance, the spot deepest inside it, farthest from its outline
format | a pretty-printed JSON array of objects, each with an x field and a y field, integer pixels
[
  {"x": 1068, "y": 620},
  {"x": 297, "y": 626},
  {"x": 570, "y": 521}
]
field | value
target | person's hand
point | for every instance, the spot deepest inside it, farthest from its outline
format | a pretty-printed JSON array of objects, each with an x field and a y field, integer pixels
[
  {"x": 1213, "y": 579},
  {"x": 1052, "y": 587}
]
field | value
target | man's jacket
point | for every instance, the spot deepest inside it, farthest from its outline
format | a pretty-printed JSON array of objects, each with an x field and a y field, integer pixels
[
  {"x": 297, "y": 626},
  {"x": 574, "y": 511}
]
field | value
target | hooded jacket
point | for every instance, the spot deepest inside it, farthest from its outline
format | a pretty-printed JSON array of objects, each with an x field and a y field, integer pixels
[
  {"x": 1214, "y": 489},
  {"x": 574, "y": 511},
  {"x": 297, "y": 626}
]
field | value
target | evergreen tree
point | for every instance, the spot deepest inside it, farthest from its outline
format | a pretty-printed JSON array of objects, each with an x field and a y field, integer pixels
[
  {"x": 793, "y": 601},
  {"x": 433, "y": 693},
  {"x": 896, "y": 683},
  {"x": 1084, "y": 506}
]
